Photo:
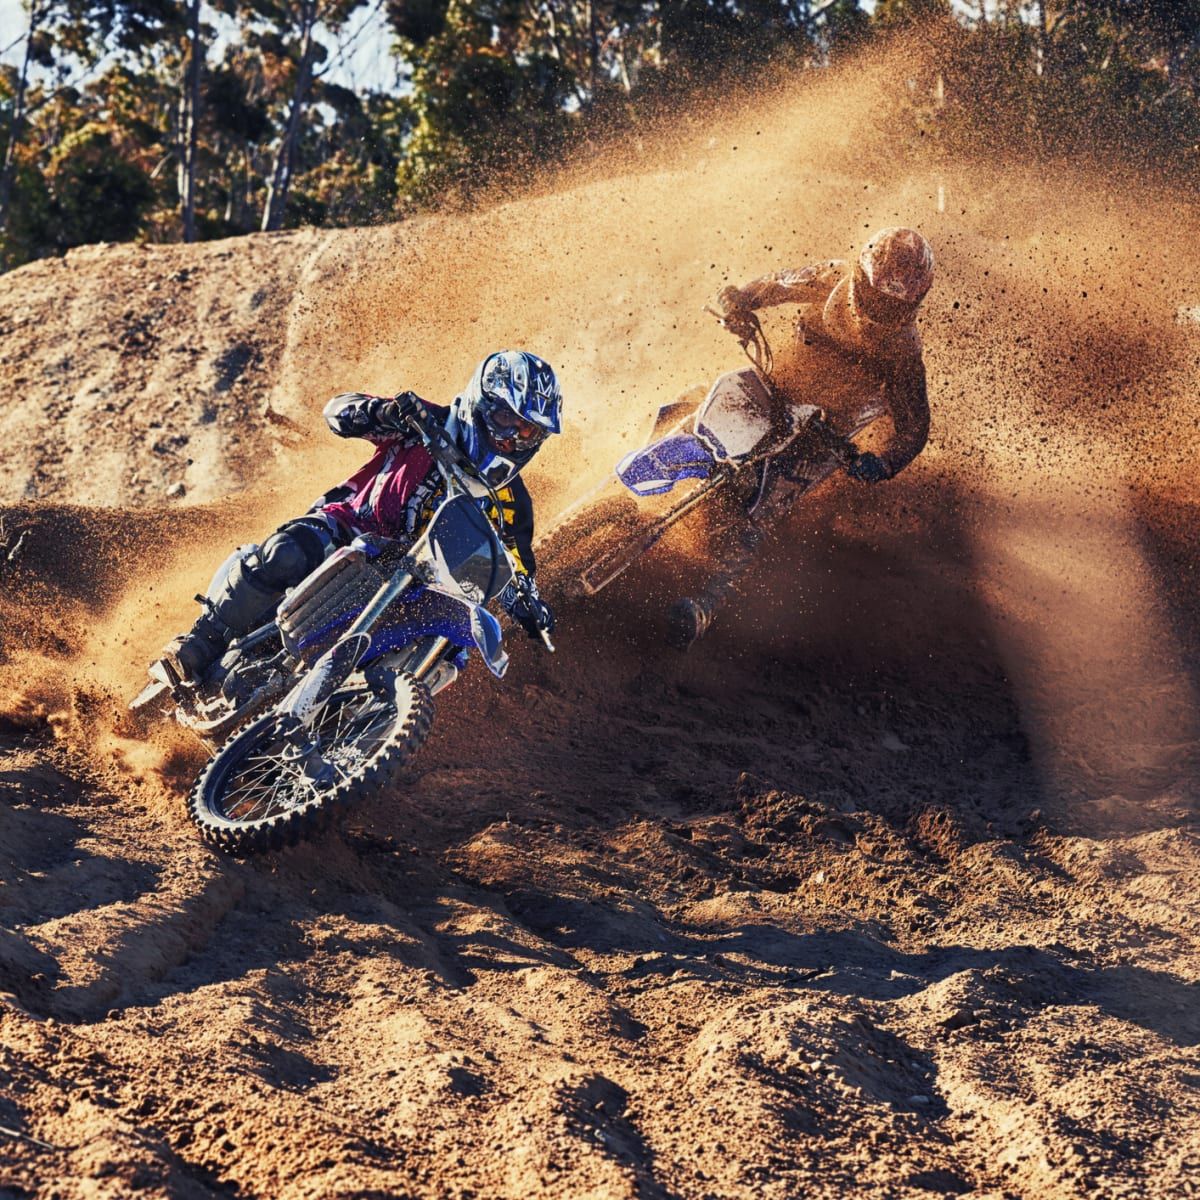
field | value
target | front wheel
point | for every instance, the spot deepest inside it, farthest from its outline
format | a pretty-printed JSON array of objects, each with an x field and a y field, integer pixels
[{"x": 257, "y": 793}]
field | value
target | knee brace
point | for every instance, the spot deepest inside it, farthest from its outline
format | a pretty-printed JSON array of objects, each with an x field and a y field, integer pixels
[
  {"x": 256, "y": 583},
  {"x": 244, "y": 601},
  {"x": 290, "y": 553}
]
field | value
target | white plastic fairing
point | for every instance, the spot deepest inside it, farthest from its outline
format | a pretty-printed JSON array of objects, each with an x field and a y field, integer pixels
[{"x": 735, "y": 416}]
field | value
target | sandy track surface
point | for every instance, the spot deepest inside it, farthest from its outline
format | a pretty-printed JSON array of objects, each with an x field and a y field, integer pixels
[
  {"x": 805, "y": 922},
  {"x": 888, "y": 888}
]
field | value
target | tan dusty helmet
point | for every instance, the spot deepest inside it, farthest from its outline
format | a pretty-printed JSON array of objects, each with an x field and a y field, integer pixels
[{"x": 893, "y": 273}]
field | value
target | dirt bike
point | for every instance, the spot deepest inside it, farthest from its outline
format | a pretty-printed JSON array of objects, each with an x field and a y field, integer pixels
[
  {"x": 330, "y": 698},
  {"x": 740, "y": 434}
]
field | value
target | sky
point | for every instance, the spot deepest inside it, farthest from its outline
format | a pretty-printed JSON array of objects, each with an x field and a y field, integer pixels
[{"x": 368, "y": 64}]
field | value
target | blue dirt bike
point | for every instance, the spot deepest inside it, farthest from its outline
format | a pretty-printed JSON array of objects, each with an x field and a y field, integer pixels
[
  {"x": 327, "y": 701},
  {"x": 740, "y": 436}
]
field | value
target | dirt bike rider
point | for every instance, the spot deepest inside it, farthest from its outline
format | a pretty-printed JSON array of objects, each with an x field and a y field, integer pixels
[
  {"x": 855, "y": 339},
  {"x": 511, "y": 405}
]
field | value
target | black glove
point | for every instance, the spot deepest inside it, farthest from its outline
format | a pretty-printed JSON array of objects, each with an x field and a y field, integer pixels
[
  {"x": 522, "y": 602},
  {"x": 398, "y": 411},
  {"x": 868, "y": 468}
]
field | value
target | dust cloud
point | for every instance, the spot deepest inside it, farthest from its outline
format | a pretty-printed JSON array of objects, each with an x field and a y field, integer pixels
[
  {"x": 887, "y": 887},
  {"x": 1059, "y": 377}
]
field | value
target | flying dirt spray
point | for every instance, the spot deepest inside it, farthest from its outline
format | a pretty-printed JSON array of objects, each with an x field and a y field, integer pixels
[
  {"x": 773, "y": 918},
  {"x": 1057, "y": 374}
]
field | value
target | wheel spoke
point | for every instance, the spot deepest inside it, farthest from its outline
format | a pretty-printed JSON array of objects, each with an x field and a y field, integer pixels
[{"x": 351, "y": 729}]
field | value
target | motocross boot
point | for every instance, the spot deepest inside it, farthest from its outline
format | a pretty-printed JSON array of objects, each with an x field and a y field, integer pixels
[
  {"x": 688, "y": 620},
  {"x": 241, "y": 605},
  {"x": 248, "y": 596},
  {"x": 189, "y": 655}
]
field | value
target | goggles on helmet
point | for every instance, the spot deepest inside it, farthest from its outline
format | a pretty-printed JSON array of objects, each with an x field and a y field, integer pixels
[
  {"x": 880, "y": 308},
  {"x": 508, "y": 430}
]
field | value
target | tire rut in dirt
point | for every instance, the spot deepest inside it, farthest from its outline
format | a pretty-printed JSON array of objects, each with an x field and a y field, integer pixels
[{"x": 241, "y": 834}]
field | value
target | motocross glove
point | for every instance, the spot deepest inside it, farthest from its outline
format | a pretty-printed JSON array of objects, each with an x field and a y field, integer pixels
[
  {"x": 397, "y": 411},
  {"x": 868, "y": 468},
  {"x": 738, "y": 318},
  {"x": 730, "y": 299},
  {"x": 522, "y": 602},
  {"x": 742, "y": 323}
]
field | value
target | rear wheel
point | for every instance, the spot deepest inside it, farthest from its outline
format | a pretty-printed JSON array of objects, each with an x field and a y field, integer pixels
[{"x": 259, "y": 792}]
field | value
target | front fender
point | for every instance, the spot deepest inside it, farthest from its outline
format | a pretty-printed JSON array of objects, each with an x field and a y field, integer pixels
[{"x": 489, "y": 640}]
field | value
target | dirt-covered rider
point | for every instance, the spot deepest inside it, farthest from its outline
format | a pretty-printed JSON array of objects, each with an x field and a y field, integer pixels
[
  {"x": 855, "y": 341},
  {"x": 500, "y": 420}
]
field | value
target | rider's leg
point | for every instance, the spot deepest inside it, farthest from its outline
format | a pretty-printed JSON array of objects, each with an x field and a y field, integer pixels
[
  {"x": 691, "y": 617},
  {"x": 250, "y": 593}
]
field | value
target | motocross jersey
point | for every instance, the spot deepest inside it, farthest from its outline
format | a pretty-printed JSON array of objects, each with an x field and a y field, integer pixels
[
  {"x": 841, "y": 363},
  {"x": 397, "y": 490}
]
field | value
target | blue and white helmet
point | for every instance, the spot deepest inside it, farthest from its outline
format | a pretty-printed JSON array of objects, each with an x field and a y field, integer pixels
[{"x": 512, "y": 404}]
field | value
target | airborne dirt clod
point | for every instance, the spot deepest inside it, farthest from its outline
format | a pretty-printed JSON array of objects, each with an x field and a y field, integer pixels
[{"x": 887, "y": 888}]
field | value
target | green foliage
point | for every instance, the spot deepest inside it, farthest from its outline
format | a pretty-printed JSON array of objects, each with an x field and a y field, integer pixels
[
  {"x": 847, "y": 26},
  {"x": 479, "y": 114},
  {"x": 894, "y": 14},
  {"x": 494, "y": 91},
  {"x": 88, "y": 191},
  {"x": 30, "y": 219},
  {"x": 96, "y": 193}
]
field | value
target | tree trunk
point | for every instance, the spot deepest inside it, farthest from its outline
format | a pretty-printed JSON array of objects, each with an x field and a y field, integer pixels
[
  {"x": 281, "y": 173},
  {"x": 189, "y": 120},
  {"x": 1040, "y": 35},
  {"x": 8, "y": 169},
  {"x": 593, "y": 49}
]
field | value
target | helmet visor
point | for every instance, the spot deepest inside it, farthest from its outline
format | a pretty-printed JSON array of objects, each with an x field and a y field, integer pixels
[
  {"x": 880, "y": 308},
  {"x": 508, "y": 430}
]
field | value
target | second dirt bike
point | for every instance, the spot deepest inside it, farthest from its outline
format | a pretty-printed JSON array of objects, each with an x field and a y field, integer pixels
[{"x": 742, "y": 432}]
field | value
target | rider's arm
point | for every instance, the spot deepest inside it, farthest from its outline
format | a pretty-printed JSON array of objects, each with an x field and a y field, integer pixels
[
  {"x": 520, "y": 599},
  {"x": 909, "y": 406},
  {"x": 517, "y": 505},
  {"x": 357, "y": 414},
  {"x": 802, "y": 285}
]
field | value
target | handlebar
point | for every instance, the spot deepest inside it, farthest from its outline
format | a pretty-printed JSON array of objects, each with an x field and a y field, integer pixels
[
  {"x": 441, "y": 445},
  {"x": 749, "y": 336}
]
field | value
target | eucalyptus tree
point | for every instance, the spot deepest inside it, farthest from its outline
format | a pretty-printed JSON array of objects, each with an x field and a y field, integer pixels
[
  {"x": 42, "y": 19},
  {"x": 289, "y": 33}
]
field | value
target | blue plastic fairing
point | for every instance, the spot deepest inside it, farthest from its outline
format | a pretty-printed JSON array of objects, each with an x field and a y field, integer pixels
[
  {"x": 657, "y": 468},
  {"x": 420, "y": 613}
]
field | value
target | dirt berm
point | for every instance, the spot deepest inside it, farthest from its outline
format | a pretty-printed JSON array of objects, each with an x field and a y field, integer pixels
[{"x": 888, "y": 888}]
